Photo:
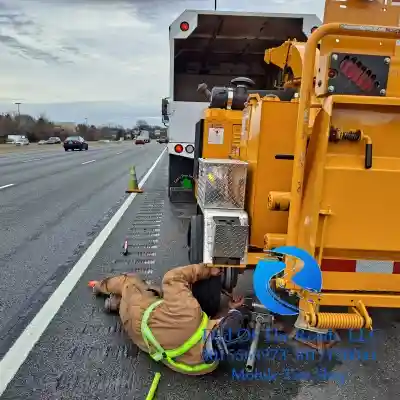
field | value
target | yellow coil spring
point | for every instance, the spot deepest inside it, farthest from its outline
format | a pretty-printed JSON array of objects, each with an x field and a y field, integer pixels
[{"x": 339, "y": 321}]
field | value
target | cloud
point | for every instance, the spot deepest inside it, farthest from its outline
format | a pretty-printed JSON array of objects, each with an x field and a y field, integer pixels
[{"x": 70, "y": 58}]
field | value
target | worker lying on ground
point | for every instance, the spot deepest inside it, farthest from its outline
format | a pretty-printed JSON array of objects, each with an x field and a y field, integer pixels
[{"x": 178, "y": 324}]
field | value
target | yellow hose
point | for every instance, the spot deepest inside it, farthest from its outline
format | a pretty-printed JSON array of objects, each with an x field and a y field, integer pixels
[{"x": 153, "y": 386}]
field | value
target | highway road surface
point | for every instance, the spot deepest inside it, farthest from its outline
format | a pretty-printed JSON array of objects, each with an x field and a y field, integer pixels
[
  {"x": 52, "y": 203},
  {"x": 79, "y": 352}
]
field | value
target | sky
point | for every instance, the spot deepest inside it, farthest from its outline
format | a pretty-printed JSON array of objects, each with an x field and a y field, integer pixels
[{"x": 104, "y": 60}]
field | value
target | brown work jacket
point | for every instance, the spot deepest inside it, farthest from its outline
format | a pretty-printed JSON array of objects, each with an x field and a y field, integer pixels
[{"x": 172, "y": 322}]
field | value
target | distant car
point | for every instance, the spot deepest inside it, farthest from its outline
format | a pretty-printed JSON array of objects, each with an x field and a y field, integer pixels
[
  {"x": 140, "y": 141},
  {"x": 53, "y": 140},
  {"x": 75, "y": 143},
  {"x": 42, "y": 142},
  {"x": 22, "y": 142},
  {"x": 162, "y": 140}
]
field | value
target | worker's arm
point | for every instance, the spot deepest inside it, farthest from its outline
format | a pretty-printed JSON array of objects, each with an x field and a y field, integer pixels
[{"x": 177, "y": 286}]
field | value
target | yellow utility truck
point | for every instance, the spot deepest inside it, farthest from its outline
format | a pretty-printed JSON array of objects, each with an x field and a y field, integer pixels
[{"x": 317, "y": 167}]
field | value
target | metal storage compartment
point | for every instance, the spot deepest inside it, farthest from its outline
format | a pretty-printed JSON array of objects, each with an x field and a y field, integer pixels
[
  {"x": 230, "y": 237},
  {"x": 222, "y": 184}
]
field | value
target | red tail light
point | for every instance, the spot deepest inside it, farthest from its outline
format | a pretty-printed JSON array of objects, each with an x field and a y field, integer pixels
[
  {"x": 178, "y": 148},
  {"x": 184, "y": 26}
]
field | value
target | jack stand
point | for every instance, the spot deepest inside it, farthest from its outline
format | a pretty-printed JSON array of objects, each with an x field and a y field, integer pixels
[
  {"x": 261, "y": 319},
  {"x": 318, "y": 339}
]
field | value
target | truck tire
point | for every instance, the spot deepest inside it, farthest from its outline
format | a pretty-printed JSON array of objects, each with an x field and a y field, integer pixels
[
  {"x": 195, "y": 239},
  {"x": 229, "y": 278}
]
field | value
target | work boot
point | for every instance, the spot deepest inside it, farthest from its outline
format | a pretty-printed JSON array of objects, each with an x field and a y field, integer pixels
[{"x": 111, "y": 304}]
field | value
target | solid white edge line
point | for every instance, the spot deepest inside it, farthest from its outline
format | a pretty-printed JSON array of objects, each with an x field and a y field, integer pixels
[
  {"x": 88, "y": 162},
  {"x": 7, "y": 186},
  {"x": 20, "y": 350}
]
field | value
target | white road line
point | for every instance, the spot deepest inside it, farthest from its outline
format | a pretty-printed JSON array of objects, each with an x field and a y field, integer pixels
[
  {"x": 119, "y": 152},
  {"x": 7, "y": 186},
  {"x": 33, "y": 159},
  {"x": 20, "y": 350},
  {"x": 88, "y": 162}
]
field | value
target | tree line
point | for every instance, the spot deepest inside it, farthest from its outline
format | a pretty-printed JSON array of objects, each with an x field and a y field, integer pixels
[{"x": 42, "y": 128}]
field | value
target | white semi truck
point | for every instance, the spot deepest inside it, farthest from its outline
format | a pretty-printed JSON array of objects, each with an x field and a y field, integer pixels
[
  {"x": 214, "y": 47},
  {"x": 145, "y": 135}
]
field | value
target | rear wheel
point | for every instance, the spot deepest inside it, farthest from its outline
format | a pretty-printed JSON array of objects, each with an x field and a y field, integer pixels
[
  {"x": 229, "y": 278},
  {"x": 66, "y": 149}
]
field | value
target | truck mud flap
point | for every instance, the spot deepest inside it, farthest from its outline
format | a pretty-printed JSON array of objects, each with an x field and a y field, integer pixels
[
  {"x": 177, "y": 195},
  {"x": 180, "y": 180}
]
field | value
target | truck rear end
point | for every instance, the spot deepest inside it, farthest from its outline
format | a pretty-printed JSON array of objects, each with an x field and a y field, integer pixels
[{"x": 215, "y": 47}]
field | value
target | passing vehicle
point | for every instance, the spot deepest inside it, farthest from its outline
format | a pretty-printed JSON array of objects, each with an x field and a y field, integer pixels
[
  {"x": 42, "y": 142},
  {"x": 53, "y": 140},
  {"x": 145, "y": 136},
  {"x": 22, "y": 142},
  {"x": 162, "y": 140},
  {"x": 140, "y": 140},
  {"x": 75, "y": 143}
]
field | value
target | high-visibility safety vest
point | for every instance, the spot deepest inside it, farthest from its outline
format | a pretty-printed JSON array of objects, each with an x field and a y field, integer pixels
[{"x": 169, "y": 355}]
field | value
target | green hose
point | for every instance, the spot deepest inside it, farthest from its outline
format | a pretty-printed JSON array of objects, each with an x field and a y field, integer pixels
[{"x": 153, "y": 386}]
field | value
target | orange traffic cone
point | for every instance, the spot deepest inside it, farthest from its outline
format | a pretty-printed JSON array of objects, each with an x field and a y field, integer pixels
[{"x": 133, "y": 186}]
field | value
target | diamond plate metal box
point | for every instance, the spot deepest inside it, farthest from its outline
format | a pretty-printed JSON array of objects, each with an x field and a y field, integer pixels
[
  {"x": 221, "y": 184},
  {"x": 230, "y": 237}
]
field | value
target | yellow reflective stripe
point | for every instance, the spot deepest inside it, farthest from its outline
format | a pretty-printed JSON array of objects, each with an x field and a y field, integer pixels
[
  {"x": 192, "y": 341},
  {"x": 190, "y": 368},
  {"x": 148, "y": 335},
  {"x": 169, "y": 354}
]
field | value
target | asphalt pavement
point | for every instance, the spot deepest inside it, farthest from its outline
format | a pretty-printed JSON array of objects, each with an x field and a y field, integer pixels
[
  {"x": 84, "y": 353},
  {"x": 52, "y": 204}
]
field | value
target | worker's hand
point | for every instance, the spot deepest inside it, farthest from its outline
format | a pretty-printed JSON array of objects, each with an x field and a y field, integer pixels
[
  {"x": 236, "y": 302},
  {"x": 215, "y": 271}
]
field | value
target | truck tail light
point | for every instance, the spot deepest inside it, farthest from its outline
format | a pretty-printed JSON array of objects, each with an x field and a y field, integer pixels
[
  {"x": 178, "y": 148},
  {"x": 189, "y": 149},
  {"x": 184, "y": 26}
]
